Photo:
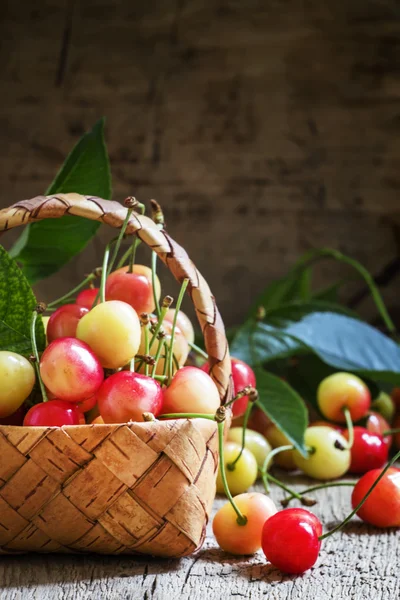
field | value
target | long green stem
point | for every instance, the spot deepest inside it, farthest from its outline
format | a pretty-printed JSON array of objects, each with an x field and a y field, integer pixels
[
  {"x": 187, "y": 416},
  {"x": 241, "y": 518},
  {"x": 102, "y": 291},
  {"x": 350, "y": 428},
  {"x": 359, "y": 505},
  {"x": 391, "y": 431},
  {"x": 36, "y": 354},
  {"x": 69, "y": 295},
  {"x": 283, "y": 486},
  {"x": 119, "y": 240},
  {"x": 153, "y": 282},
  {"x": 177, "y": 309},
  {"x": 146, "y": 346},
  {"x": 199, "y": 350},
  {"x": 131, "y": 250},
  {"x": 270, "y": 456},
  {"x": 157, "y": 356},
  {"x": 231, "y": 466},
  {"x": 322, "y": 486}
]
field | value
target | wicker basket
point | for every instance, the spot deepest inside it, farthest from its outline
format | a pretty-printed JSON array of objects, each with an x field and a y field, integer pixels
[{"x": 142, "y": 488}]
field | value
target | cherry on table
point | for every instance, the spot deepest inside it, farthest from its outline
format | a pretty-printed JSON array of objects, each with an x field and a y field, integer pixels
[
  {"x": 340, "y": 391},
  {"x": 369, "y": 450},
  {"x": 329, "y": 456},
  {"x": 286, "y": 459},
  {"x": 254, "y": 441},
  {"x": 382, "y": 507},
  {"x": 54, "y": 413},
  {"x": 243, "y": 539},
  {"x": 244, "y": 473},
  {"x": 125, "y": 396},
  {"x": 290, "y": 540}
]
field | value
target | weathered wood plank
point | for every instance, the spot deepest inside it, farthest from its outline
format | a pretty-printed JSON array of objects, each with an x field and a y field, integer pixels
[{"x": 362, "y": 562}]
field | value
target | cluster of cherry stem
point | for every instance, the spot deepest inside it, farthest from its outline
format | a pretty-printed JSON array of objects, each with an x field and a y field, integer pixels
[{"x": 156, "y": 331}]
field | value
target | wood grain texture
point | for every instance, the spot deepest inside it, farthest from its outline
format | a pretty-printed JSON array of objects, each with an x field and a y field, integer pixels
[
  {"x": 362, "y": 562},
  {"x": 264, "y": 128}
]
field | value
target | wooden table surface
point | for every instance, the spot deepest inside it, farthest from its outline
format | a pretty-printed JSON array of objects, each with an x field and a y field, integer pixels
[{"x": 359, "y": 563}]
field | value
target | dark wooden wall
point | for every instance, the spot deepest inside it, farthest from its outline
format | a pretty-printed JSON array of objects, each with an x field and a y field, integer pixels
[{"x": 264, "y": 127}]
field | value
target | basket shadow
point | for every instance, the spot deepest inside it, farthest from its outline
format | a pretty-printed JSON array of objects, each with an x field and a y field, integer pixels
[{"x": 48, "y": 569}]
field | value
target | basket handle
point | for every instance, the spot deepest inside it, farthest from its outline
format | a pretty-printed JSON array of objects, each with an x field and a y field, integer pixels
[{"x": 172, "y": 254}]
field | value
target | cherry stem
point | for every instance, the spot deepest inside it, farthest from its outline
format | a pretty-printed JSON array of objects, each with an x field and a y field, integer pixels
[
  {"x": 199, "y": 350},
  {"x": 36, "y": 354},
  {"x": 171, "y": 342},
  {"x": 130, "y": 253},
  {"x": 70, "y": 295},
  {"x": 359, "y": 505},
  {"x": 321, "y": 486},
  {"x": 244, "y": 392},
  {"x": 187, "y": 416},
  {"x": 282, "y": 485},
  {"x": 102, "y": 291},
  {"x": 153, "y": 282},
  {"x": 350, "y": 428},
  {"x": 146, "y": 346},
  {"x": 271, "y": 455},
  {"x": 157, "y": 356},
  {"x": 231, "y": 466},
  {"x": 391, "y": 431},
  {"x": 241, "y": 518},
  {"x": 119, "y": 240}
]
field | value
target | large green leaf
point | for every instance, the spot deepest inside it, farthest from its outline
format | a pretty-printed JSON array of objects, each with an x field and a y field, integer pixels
[
  {"x": 44, "y": 247},
  {"x": 258, "y": 342},
  {"x": 339, "y": 340},
  {"x": 283, "y": 406},
  {"x": 17, "y": 303}
]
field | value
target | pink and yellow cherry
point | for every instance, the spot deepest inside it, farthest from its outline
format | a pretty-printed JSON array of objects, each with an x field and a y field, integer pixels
[
  {"x": 382, "y": 507},
  {"x": 340, "y": 391},
  {"x": 329, "y": 456},
  {"x": 375, "y": 423},
  {"x": 181, "y": 348},
  {"x": 191, "y": 391},
  {"x": 70, "y": 370},
  {"x": 86, "y": 298},
  {"x": 17, "y": 378},
  {"x": 369, "y": 450},
  {"x": 134, "y": 288},
  {"x": 183, "y": 323},
  {"x": 290, "y": 540},
  {"x": 64, "y": 321},
  {"x": 125, "y": 396},
  {"x": 54, "y": 413},
  {"x": 112, "y": 330},
  {"x": 385, "y": 406},
  {"x": 243, "y": 539},
  {"x": 254, "y": 441},
  {"x": 284, "y": 460},
  {"x": 244, "y": 473},
  {"x": 98, "y": 421},
  {"x": 242, "y": 376}
]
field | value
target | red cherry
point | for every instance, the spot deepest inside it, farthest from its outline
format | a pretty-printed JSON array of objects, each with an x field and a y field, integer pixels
[
  {"x": 369, "y": 450},
  {"x": 86, "y": 298},
  {"x": 382, "y": 507},
  {"x": 54, "y": 413},
  {"x": 16, "y": 418},
  {"x": 64, "y": 321},
  {"x": 242, "y": 376},
  {"x": 70, "y": 370},
  {"x": 125, "y": 396},
  {"x": 132, "y": 288},
  {"x": 290, "y": 540},
  {"x": 87, "y": 404},
  {"x": 375, "y": 423},
  {"x": 396, "y": 437}
]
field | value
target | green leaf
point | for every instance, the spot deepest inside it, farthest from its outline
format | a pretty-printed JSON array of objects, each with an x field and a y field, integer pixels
[
  {"x": 17, "y": 303},
  {"x": 260, "y": 342},
  {"x": 283, "y": 406},
  {"x": 44, "y": 247}
]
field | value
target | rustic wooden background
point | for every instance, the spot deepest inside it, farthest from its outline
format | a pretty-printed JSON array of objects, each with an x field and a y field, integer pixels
[{"x": 265, "y": 127}]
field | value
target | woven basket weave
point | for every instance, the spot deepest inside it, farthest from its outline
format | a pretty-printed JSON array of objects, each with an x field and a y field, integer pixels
[{"x": 131, "y": 488}]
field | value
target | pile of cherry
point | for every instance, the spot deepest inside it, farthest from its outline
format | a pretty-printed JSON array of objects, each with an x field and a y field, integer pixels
[{"x": 116, "y": 355}]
